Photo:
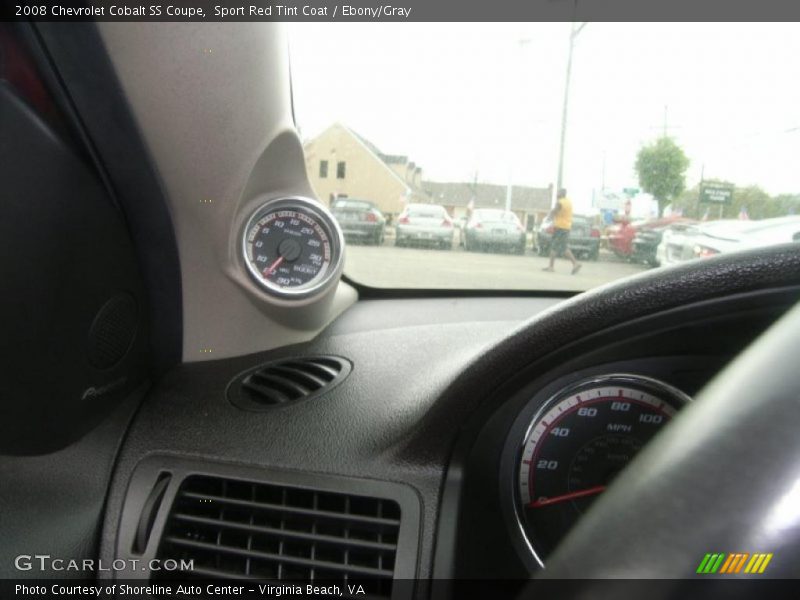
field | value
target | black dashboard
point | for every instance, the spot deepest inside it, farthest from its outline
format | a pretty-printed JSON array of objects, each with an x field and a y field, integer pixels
[
  {"x": 407, "y": 469},
  {"x": 377, "y": 428},
  {"x": 680, "y": 351},
  {"x": 421, "y": 429}
]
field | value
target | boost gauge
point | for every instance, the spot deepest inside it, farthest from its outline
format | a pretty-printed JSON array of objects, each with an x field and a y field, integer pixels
[{"x": 293, "y": 248}]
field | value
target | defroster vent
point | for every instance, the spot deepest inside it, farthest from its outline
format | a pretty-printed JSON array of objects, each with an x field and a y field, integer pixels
[
  {"x": 285, "y": 381},
  {"x": 243, "y": 529}
]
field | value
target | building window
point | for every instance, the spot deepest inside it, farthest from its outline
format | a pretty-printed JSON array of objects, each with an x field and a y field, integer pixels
[
  {"x": 323, "y": 169},
  {"x": 340, "y": 169}
]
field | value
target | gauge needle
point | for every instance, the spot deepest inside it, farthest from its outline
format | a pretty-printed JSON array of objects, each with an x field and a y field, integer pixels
[
  {"x": 270, "y": 269},
  {"x": 570, "y": 496}
]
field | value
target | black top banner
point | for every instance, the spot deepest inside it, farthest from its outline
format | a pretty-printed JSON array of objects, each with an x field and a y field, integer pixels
[{"x": 403, "y": 10}]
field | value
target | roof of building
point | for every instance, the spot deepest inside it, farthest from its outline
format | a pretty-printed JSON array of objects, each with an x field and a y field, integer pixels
[
  {"x": 387, "y": 158},
  {"x": 489, "y": 195},
  {"x": 486, "y": 195}
]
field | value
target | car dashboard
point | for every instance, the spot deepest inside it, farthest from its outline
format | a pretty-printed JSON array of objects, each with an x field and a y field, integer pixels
[
  {"x": 262, "y": 422},
  {"x": 402, "y": 471}
]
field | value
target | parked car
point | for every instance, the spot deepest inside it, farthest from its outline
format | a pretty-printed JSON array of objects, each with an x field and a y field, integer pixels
[
  {"x": 492, "y": 228},
  {"x": 717, "y": 237},
  {"x": 621, "y": 235},
  {"x": 360, "y": 220},
  {"x": 646, "y": 240},
  {"x": 670, "y": 248},
  {"x": 427, "y": 224},
  {"x": 584, "y": 238}
]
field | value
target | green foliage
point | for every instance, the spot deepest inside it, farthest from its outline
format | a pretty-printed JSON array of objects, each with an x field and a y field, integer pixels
[
  {"x": 757, "y": 202},
  {"x": 786, "y": 204},
  {"x": 661, "y": 167}
]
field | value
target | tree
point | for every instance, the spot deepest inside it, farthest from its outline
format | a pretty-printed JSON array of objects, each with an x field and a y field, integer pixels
[
  {"x": 754, "y": 200},
  {"x": 757, "y": 203},
  {"x": 788, "y": 204},
  {"x": 661, "y": 167}
]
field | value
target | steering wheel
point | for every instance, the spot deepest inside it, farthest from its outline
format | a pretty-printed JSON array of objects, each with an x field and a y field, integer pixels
[{"x": 722, "y": 477}]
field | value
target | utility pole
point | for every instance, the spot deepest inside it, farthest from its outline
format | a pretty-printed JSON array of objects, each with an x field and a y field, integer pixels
[
  {"x": 576, "y": 29},
  {"x": 665, "y": 126}
]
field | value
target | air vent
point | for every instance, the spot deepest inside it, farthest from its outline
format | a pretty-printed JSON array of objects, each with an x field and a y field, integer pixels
[
  {"x": 248, "y": 530},
  {"x": 285, "y": 381}
]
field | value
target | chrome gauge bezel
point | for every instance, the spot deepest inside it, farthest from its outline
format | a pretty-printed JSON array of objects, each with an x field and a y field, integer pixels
[
  {"x": 660, "y": 389},
  {"x": 331, "y": 270}
]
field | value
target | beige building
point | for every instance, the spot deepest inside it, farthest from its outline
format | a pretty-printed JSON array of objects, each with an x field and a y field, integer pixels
[{"x": 342, "y": 163}]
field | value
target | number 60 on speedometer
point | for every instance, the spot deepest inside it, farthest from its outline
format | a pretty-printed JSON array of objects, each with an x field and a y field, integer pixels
[{"x": 578, "y": 442}]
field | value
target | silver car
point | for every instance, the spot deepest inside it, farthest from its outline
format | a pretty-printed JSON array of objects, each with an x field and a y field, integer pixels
[
  {"x": 492, "y": 228},
  {"x": 425, "y": 224},
  {"x": 684, "y": 243},
  {"x": 360, "y": 220}
]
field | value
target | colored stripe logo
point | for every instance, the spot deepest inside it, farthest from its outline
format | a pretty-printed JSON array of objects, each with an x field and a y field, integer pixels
[{"x": 729, "y": 564}]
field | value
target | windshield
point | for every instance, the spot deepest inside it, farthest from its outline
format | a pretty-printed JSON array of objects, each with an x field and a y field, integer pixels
[{"x": 467, "y": 137}]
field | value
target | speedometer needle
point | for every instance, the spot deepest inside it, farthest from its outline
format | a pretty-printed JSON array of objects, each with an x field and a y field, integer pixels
[
  {"x": 569, "y": 496},
  {"x": 270, "y": 269}
]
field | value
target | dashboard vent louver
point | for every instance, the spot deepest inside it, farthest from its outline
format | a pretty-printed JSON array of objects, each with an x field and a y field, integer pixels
[
  {"x": 242, "y": 529},
  {"x": 285, "y": 381}
]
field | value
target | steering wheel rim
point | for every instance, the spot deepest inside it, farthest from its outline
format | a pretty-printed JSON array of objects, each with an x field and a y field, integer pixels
[
  {"x": 538, "y": 345},
  {"x": 723, "y": 477}
]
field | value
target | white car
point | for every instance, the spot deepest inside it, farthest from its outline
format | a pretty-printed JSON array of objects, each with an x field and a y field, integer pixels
[{"x": 685, "y": 242}]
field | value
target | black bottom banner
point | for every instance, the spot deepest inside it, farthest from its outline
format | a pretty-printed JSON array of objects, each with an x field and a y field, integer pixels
[{"x": 462, "y": 589}]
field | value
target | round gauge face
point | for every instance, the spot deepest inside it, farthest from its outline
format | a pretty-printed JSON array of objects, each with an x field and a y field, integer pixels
[
  {"x": 578, "y": 443},
  {"x": 292, "y": 247}
]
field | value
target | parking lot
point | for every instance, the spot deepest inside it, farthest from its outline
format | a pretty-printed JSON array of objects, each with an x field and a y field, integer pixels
[{"x": 392, "y": 267}]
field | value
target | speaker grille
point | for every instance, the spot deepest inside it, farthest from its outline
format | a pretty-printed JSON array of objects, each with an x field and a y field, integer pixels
[{"x": 112, "y": 332}]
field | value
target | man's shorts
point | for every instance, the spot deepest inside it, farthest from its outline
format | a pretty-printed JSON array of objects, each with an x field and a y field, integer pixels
[{"x": 560, "y": 238}]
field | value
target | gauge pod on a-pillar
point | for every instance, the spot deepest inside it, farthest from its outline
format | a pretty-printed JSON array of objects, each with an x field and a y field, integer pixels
[{"x": 293, "y": 248}]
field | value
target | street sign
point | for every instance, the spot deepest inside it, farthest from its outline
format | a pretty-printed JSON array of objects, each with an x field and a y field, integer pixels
[
  {"x": 630, "y": 191},
  {"x": 716, "y": 193}
]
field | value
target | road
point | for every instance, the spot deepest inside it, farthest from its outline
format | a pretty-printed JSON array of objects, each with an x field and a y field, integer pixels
[{"x": 391, "y": 267}]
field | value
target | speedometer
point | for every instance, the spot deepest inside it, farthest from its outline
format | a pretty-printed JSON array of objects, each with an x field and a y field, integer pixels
[
  {"x": 293, "y": 247},
  {"x": 578, "y": 442}
]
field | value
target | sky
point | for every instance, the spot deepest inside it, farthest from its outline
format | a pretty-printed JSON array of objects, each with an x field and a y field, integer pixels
[{"x": 486, "y": 98}]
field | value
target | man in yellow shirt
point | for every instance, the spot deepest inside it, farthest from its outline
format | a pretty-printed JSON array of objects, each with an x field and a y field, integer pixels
[{"x": 562, "y": 223}]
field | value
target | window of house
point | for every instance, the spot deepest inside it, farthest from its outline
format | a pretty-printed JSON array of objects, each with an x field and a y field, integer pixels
[
  {"x": 340, "y": 170},
  {"x": 323, "y": 169}
]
